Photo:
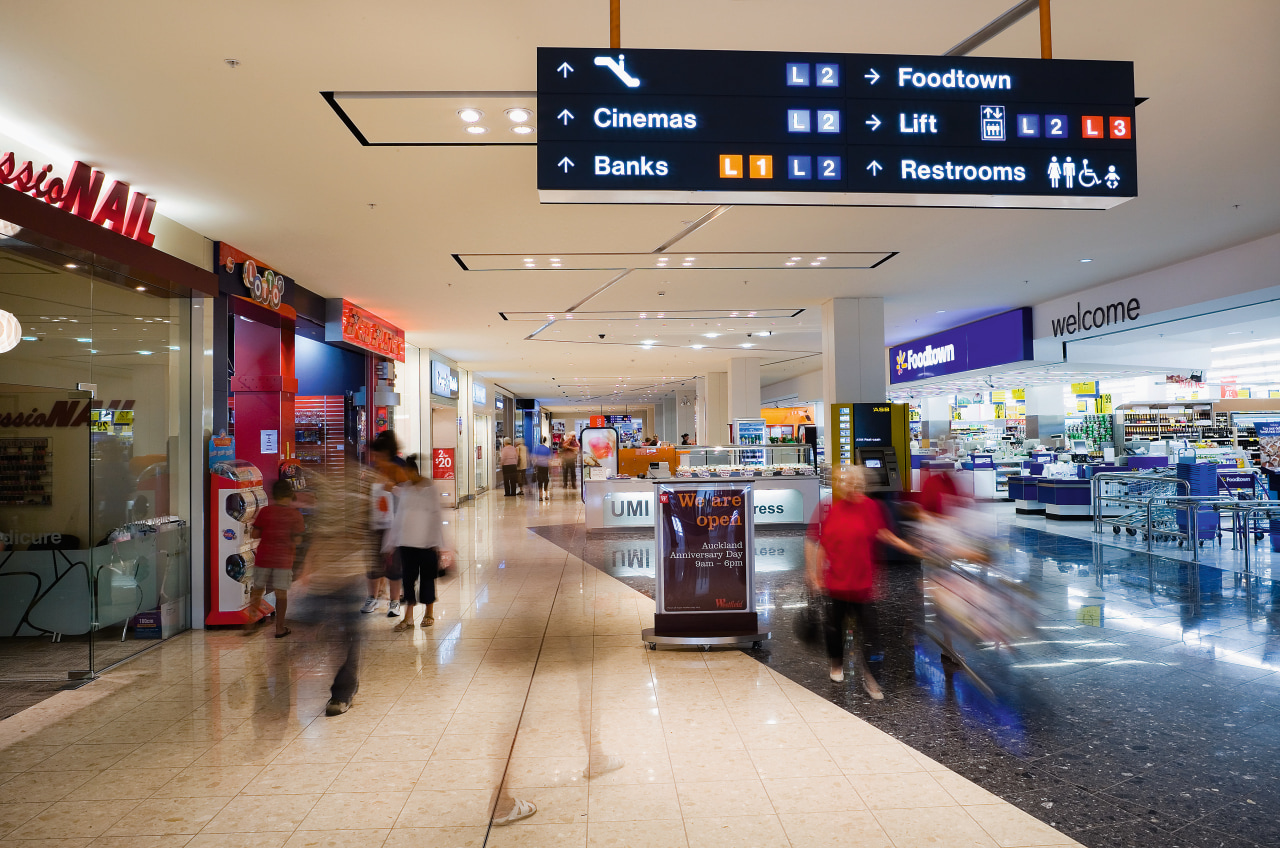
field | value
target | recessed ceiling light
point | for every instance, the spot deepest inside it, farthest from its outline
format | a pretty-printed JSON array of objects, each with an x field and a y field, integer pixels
[
  {"x": 71, "y": 265},
  {"x": 475, "y": 130},
  {"x": 145, "y": 352},
  {"x": 522, "y": 129},
  {"x": 747, "y": 344},
  {"x": 1086, "y": 260},
  {"x": 140, "y": 288},
  {"x": 711, "y": 335},
  {"x": 697, "y": 347},
  {"x": 518, "y": 115},
  {"x": 764, "y": 333},
  {"x": 470, "y": 115},
  {"x": 84, "y": 341},
  {"x": 940, "y": 311},
  {"x": 822, "y": 258}
]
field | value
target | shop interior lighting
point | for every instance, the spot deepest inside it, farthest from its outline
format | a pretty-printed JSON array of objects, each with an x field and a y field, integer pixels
[
  {"x": 145, "y": 352},
  {"x": 475, "y": 130},
  {"x": 71, "y": 265},
  {"x": 1244, "y": 345},
  {"x": 84, "y": 341},
  {"x": 518, "y": 116},
  {"x": 470, "y": 115}
]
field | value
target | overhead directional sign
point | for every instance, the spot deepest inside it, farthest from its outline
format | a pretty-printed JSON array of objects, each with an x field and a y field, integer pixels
[{"x": 704, "y": 126}]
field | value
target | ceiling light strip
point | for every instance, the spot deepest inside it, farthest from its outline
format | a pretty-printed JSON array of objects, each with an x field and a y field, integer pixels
[{"x": 692, "y": 228}]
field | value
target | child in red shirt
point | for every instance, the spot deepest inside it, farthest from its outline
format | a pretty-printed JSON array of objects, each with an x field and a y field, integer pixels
[{"x": 278, "y": 529}]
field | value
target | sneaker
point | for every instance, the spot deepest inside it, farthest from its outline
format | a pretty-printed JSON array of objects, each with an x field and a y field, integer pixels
[
  {"x": 402, "y": 626},
  {"x": 370, "y": 604},
  {"x": 393, "y": 610},
  {"x": 336, "y": 707}
]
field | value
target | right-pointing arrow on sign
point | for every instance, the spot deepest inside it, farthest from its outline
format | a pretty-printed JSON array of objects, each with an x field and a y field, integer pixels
[
  {"x": 875, "y": 167},
  {"x": 873, "y": 122},
  {"x": 566, "y": 116},
  {"x": 873, "y": 76},
  {"x": 565, "y": 163}
]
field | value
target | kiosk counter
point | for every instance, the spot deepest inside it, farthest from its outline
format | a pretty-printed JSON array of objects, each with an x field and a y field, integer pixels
[{"x": 786, "y": 485}]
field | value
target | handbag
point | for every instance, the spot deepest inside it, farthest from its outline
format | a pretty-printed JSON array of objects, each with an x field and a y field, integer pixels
[{"x": 808, "y": 622}]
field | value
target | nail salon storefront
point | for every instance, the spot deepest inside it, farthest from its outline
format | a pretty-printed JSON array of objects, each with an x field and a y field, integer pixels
[{"x": 99, "y": 297}]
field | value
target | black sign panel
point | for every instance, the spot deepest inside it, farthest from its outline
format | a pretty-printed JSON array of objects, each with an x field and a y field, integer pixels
[
  {"x": 704, "y": 549},
  {"x": 738, "y": 127}
]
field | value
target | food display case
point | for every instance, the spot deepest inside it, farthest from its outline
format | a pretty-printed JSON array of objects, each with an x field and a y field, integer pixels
[{"x": 787, "y": 488}]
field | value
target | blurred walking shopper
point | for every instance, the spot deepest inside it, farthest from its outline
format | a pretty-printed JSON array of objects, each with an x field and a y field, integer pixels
[
  {"x": 569, "y": 462},
  {"x": 522, "y": 466},
  {"x": 542, "y": 468},
  {"x": 278, "y": 529},
  {"x": 509, "y": 458},
  {"x": 337, "y": 564},
  {"x": 389, "y": 473},
  {"x": 417, "y": 535},
  {"x": 841, "y": 563}
]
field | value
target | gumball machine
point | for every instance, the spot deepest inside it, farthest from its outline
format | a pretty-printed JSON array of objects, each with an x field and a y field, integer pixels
[{"x": 235, "y": 497}]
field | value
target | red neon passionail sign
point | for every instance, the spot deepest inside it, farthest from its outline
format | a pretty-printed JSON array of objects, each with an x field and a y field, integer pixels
[
  {"x": 79, "y": 194},
  {"x": 362, "y": 328}
]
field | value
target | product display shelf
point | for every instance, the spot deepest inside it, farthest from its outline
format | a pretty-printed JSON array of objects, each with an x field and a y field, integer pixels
[
  {"x": 1155, "y": 422},
  {"x": 26, "y": 472},
  {"x": 318, "y": 430}
]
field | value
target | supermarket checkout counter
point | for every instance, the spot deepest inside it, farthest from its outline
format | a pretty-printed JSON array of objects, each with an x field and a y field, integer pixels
[{"x": 787, "y": 490}]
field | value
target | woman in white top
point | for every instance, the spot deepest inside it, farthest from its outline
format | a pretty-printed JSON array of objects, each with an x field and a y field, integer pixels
[{"x": 417, "y": 534}]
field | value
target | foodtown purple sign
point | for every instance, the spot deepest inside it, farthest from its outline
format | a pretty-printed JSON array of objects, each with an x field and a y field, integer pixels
[{"x": 997, "y": 340}]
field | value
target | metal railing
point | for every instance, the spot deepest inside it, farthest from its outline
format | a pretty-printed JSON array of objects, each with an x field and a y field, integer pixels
[{"x": 1249, "y": 511}]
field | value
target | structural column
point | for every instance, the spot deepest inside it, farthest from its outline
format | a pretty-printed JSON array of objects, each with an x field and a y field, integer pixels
[
  {"x": 686, "y": 404},
  {"x": 935, "y": 420},
  {"x": 713, "y": 408},
  {"x": 744, "y": 388},
  {"x": 853, "y": 355},
  {"x": 1046, "y": 414}
]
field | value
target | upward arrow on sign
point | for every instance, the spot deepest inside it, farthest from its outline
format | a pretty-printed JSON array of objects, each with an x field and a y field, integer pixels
[
  {"x": 566, "y": 116},
  {"x": 565, "y": 163},
  {"x": 566, "y": 69}
]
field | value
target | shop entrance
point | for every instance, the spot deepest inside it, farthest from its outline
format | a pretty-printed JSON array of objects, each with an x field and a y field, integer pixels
[
  {"x": 94, "y": 452},
  {"x": 485, "y": 468}
]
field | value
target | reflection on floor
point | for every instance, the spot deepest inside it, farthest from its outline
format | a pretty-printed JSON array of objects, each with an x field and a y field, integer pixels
[
  {"x": 533, "y": 678},
  {"x": 1146, "y": 712}
]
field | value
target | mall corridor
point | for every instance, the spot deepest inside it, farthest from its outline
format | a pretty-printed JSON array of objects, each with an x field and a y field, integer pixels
[{"x": 533, "y": 676}]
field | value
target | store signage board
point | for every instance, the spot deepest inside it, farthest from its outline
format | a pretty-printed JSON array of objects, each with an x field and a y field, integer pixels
[
  {"x": 998, "y": 340},
  {"x": 704, "y": 548},
  {"x": 81, "y": 194},
  {"x": 444, "y": 380},
  {"x": 346, "y": 322},
  {"x": 442, "y": 467},
  {"x": 245, "y": 274},
  {"x": 710, "y": 126},
  {"x": 772, "y": 506},
  {"x": 479, "y": 396},
  {"x": 872, "y": 425}
]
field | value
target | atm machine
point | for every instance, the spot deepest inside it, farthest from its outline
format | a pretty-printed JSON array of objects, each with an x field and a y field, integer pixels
[
  {"x": 881, "y": 441},
  {"x": 880, "y": 465}
]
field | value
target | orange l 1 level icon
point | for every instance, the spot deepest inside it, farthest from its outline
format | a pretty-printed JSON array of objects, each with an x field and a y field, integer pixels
[{"x": 760, "y": 167}]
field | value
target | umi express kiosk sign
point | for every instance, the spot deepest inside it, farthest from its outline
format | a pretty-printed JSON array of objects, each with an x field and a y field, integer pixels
[{"x": 705, "y": 549}]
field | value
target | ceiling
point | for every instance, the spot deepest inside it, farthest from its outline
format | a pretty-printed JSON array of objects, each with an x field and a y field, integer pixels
[{"x": 256, "y": 156}]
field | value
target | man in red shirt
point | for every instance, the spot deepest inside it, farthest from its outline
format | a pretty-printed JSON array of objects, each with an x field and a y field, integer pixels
[
  {"x": 841, "y": 564},
  {"x": 278, "y": 529}
]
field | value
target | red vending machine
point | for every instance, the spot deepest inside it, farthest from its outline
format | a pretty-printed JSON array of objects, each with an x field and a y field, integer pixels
[{"x": 235, "y": 497}]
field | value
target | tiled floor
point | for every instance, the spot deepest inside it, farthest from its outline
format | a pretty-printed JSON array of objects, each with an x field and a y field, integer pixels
[
  {"x": 1136, "y": 716},
  {"x": 533, "y": 678}
]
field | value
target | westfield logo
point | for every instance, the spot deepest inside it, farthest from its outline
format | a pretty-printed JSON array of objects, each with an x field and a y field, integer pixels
[{"x": 81, "y": 194}]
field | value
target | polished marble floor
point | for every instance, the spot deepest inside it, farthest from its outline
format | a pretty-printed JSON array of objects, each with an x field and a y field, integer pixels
[
  {"x": 1145, "y": 711},
  {"x": 532, "y": 685}
]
